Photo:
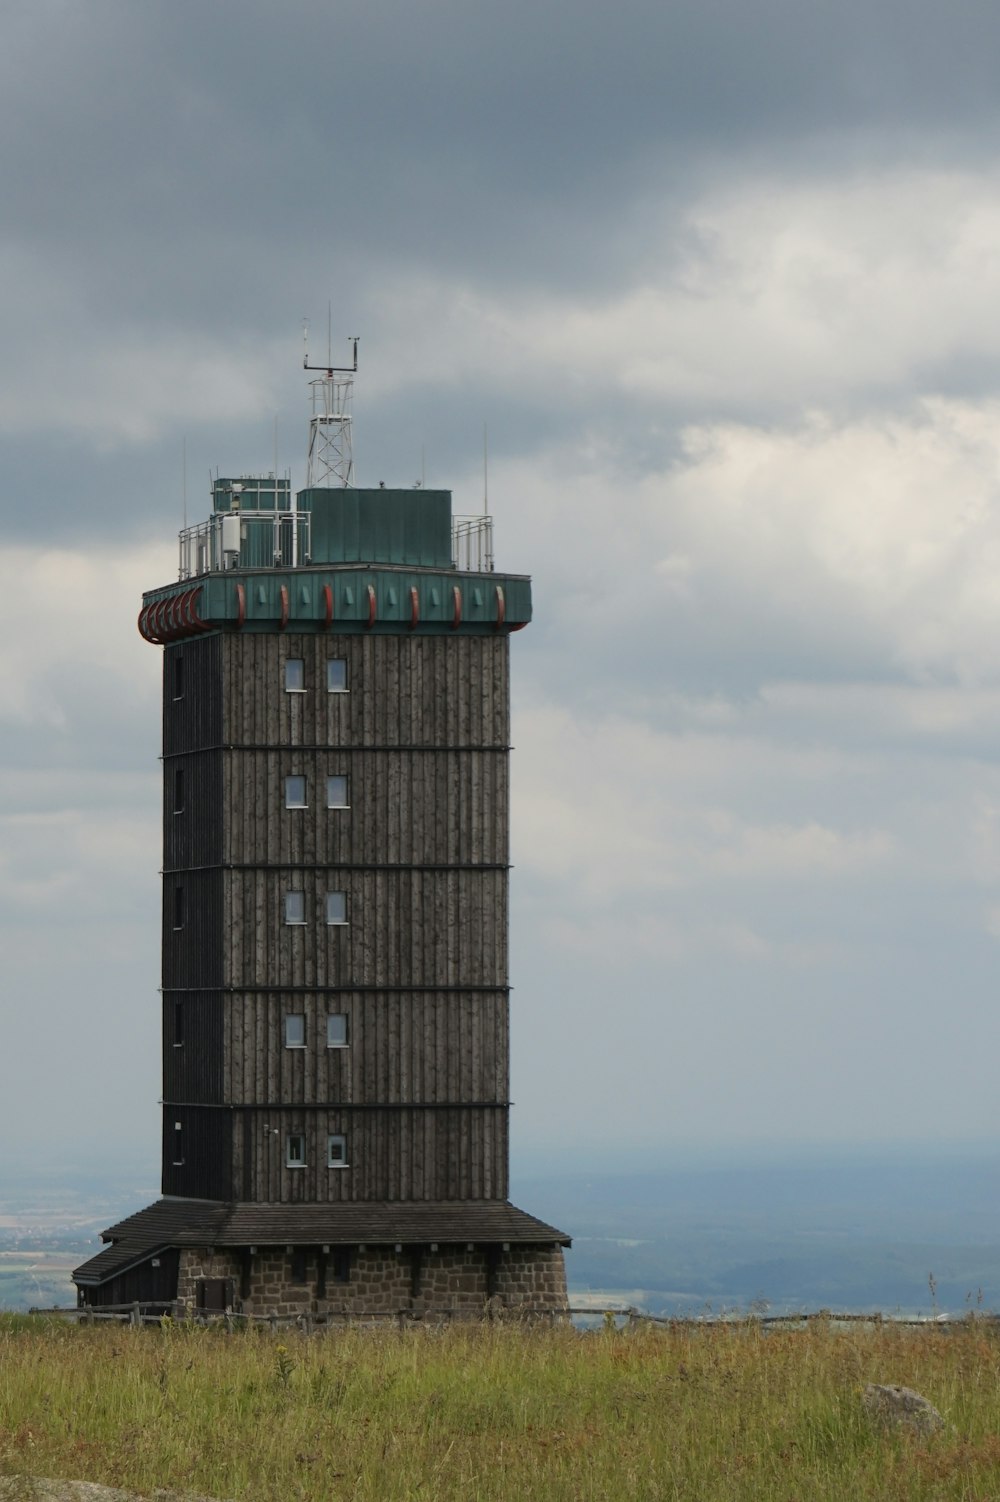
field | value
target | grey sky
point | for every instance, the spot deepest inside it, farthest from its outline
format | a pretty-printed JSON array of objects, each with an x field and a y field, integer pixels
[{"x": 720, "y": 277}]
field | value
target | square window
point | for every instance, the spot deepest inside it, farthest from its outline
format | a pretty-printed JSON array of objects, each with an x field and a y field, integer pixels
[
  {"x": 295, "y": 792},
  {"x": 336, "y": 1030},
  {"x": 295, "y": 907},
  {"x": 336, "y": 792},
  {"x": 178, "y": 790},
  {"x": 295, "y": 1150},
  {"x": 295, "y": 1030},
  {"x": 336, "y": 907},
  {"x": 178, "y": 676},
  {"x": 336, "y": 675},
  {"x": 295, "y": 676},
  {"x": 336, "y": 1152},
  {"x": 178, "y": 907}
]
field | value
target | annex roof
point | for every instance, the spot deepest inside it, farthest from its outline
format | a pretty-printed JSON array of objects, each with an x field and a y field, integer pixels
[{"x": 181, "y": 1223}]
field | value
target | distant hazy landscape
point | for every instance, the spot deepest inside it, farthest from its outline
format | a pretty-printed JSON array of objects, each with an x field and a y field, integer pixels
[{"x": 843, "y": 1233}]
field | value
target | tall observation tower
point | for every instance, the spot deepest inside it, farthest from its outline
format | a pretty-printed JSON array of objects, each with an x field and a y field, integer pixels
[{"x": 335, "y": 867}]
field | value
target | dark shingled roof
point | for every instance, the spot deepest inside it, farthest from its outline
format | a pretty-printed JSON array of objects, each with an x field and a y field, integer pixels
[{"x": 179, "y": 1223}]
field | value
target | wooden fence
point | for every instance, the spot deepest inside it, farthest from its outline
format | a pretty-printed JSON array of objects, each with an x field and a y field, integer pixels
[{"x": 617, "y": 1317}]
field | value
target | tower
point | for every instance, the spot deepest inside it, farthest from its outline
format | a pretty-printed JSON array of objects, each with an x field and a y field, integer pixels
[{"x": 335, "y": 870}]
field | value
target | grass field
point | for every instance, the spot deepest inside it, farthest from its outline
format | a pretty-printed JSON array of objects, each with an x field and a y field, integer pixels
[{"x": 500, "y": 1412}]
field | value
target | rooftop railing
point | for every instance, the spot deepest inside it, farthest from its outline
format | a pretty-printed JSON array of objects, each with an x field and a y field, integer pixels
[
  {"x": 244, "y": 539},
  {"x": 282, "y": 539},
  {"x": 472, "y": 544}
]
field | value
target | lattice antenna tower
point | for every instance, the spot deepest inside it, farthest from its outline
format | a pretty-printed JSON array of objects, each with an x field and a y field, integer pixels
[{"x": 331, "y": 454}]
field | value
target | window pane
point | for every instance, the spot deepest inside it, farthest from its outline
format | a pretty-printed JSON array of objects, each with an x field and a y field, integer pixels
[
  {"x": 295, "y": 907},
  {"x": 178, "y": 677},
  {"x": 295, "y": 1154},
  {"x": 336, "y": 675},
  {"x": 295, "y": 792},
  {"x": 295, "y": 675},
  {"x": 336, "y": 792},
  {"x": 336, "y": 1152},
  {"x": 336, "y": 907},
  {"x": 295, "y": 1030},
  {"x": 336, "y": 1030}
]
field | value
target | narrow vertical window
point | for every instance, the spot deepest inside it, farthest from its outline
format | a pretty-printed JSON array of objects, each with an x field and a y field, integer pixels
[
  {"x": 336, "y": 1151},
  {"x": 299, "y": 1266},
  {"x": 295, "y": 792},
  {"x": 336, "y": 675},
  {"x": 336, "y": 1030},
  {"x": 336, "y": 907},
  {"x": 178, "y": 675},
  {"x": 178, "y": 1023},
  {"x": 336, "y": 792},
  {"x": 178, "y": 790},
  {"x": 178, "y": 1158},
  {"x": 295, "y": 1150},
  {"x": 295, "y": 1030},
  {"x": 295, "y": 907},
  {"x": 295, "y": 676},
  {"x": 178, "y": 907}
]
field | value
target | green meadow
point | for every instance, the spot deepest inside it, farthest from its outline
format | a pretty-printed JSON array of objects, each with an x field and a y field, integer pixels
[{"x": 489, "y": 1413}]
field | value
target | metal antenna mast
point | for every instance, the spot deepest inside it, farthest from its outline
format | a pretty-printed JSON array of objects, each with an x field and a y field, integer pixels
[{"x": 331, "y": 455}]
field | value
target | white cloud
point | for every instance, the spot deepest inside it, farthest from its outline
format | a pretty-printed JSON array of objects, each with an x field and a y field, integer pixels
[{"x": 771, "y": 294}]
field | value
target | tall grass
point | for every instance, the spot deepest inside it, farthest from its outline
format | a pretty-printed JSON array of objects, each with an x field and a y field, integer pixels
[{"x": 499, "y": 1412}]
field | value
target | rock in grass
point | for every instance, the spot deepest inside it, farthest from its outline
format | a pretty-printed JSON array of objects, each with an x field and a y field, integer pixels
[
  {"x": 40, "y": 1489},
  {"x": 893, "y": 1407}
]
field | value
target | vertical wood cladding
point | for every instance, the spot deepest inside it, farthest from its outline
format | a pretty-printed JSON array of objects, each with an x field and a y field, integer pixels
[
  {"x": 194, "y": 1052},
  {"x": 145, "y": 1283},
  {"x": 194, "y": 921},
  {"x": 405, "y": 1154},
  {"x": 419, "y": 966},
  {"x": 192, "y": 718},
  {"x": 401, "y": 1047},
  {"x": 193, "y": 821},
  {"x": 401, "y": 691},
  {"x": 197, "y": 1152}
]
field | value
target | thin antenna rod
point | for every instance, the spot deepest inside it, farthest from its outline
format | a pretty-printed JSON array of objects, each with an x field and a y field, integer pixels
[
  {"x": 423, "y": 467},
  {"x": 486, "y": 474},
  {"x": 184, "y": 477}
]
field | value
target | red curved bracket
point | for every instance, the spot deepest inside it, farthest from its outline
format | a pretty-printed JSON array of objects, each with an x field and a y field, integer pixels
[
  {"x": 143, "y": 625},
  {"x": 156, "y": 619},
  {"x": 501, "y": 608},
  {"x": 174, "y": 614},
  {"x": 241, "y": 606},
  {"x": 372, "y": 607},
  {"x": 328, "y": 604},
  {"x": 196, "y": 619},
  {"x": 414, "y": 608},
  {"x": 283, "y": 621},
  {"x": 457, "y": 617},
  {"x": 517, "y": 626}
]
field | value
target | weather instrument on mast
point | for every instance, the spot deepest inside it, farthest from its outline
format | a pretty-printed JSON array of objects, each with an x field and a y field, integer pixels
[{"x": 331, "y": 455}]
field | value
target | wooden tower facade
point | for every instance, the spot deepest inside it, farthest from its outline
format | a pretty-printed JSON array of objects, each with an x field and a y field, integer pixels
[{"x": 335, "y": 960}]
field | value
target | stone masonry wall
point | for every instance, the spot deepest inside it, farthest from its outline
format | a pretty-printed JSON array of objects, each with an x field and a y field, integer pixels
[{"x": 382, "y": 1281}]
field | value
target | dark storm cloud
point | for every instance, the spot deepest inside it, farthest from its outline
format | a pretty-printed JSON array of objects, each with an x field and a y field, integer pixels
[{"x": 160, "y": 144}]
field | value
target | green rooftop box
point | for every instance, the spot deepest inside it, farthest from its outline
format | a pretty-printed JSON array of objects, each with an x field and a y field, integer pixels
[{"x": 380, "y": 526}]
